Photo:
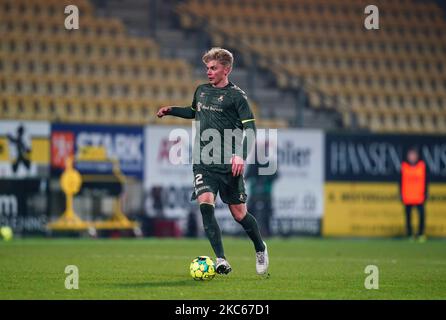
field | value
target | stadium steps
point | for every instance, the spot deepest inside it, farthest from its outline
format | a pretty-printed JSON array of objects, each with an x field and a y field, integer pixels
[
  {"x": 175, "y": 44},
  {"x": 266, "y": 97}
]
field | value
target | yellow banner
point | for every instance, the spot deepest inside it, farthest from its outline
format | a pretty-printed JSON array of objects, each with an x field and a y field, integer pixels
[
  {"x": 90, "y": 153},
  {"x": 40, "y": 150},
  {"x": 4, "y": 149},
  {"x": 374, "y": 209}
]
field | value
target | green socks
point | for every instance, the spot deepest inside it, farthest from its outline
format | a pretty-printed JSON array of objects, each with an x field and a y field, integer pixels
[
  {"x": 249, "y": 223},
  {"x": 212, "y": 229},
  {"x": 213, "y": 233}
]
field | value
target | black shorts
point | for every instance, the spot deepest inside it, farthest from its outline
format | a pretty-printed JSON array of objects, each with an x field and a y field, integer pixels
[{"x": 231, "y": 189}]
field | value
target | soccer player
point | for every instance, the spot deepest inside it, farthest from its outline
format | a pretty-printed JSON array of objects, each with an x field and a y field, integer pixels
[{"x": 220, "y": 105}]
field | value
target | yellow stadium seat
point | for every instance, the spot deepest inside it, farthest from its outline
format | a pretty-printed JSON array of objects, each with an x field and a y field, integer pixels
[
  {"x": 415, "y": 123},
  {"x": 102, "y": 66},
  {"x": 362, "y": 118},
  {"x": 323, "y": 47}
]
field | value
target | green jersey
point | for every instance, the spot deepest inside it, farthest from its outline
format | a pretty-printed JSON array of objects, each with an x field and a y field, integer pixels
[{"x": 220, "y": 109}]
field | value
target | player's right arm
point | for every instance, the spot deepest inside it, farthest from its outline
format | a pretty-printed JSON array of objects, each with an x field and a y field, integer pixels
[{"x": 182, "y": 112}]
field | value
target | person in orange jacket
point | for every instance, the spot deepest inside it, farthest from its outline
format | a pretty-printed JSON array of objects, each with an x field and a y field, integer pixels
[{"x": 414, "y": 190}]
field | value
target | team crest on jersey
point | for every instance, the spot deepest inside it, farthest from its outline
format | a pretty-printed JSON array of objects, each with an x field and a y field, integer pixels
[
  {"x": 242, "y": 197},
  {"x": 220, "y": 99},
  {"x": 199, "y": 104},
  {"x": 202, "y": 94}
]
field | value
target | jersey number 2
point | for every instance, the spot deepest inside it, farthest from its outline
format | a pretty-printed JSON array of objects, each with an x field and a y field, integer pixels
[{"x": 198, "y": 179}]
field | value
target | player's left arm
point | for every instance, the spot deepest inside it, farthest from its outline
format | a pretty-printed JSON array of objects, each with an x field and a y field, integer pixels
[{"x": 248, "y": 122}]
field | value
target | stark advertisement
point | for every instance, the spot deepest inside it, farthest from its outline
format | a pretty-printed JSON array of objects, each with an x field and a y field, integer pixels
[{"x": 96, "y": 147}]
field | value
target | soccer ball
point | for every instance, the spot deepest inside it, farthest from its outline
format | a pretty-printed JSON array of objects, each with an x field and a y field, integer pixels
[
  {"x": 202, "y": 268},
  {"x": 6, "y": 233}
]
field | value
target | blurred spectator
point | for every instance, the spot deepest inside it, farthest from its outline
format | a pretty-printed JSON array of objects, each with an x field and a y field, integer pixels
[
  {"x": 414, "y": 190},
  {"x": 158, "y": 205},
  {"x": 260, "y": 202},
  {"x": 192, "y": 224}
]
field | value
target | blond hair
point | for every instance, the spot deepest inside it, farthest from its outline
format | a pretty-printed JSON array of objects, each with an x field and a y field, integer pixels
[{"x": 221, "y": 55}]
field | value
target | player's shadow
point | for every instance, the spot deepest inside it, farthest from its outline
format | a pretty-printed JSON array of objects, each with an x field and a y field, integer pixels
[{"x": 157, "y": 284}]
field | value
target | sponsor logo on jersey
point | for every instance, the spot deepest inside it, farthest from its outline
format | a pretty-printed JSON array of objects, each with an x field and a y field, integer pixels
[
  {"x": 201, "y": 106},
  {"x": 215, "y": 108}
]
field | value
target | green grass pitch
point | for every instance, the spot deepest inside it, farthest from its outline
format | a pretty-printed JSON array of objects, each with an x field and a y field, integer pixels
[{"x": 300, "y": 268}]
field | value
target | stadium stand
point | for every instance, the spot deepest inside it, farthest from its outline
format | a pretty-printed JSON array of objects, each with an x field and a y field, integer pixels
[
  {"x": 98, "y": 74},
  {"x": 386, "y": 80}
]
